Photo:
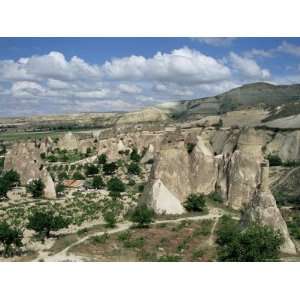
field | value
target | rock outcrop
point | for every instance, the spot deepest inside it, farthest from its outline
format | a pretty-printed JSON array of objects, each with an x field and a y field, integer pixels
[
  {"x": 177, "y": 173},
  {"x": 25, "y": 159},
  {"x": 263, "y": 209},
  {"x": 68, "y": 142}
]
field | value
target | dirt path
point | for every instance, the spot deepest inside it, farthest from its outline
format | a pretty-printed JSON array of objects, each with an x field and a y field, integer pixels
[
  {"x": 214, "y": 213},
  {"x": 211, "y": 236},
  {"x": 284, "y": 178}
]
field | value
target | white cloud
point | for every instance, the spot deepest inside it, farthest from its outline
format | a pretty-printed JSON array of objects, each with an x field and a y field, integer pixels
[
  {"x": 259, "y": 53},
  {"x": 248, "y": 68},
  {"x": 26, "y": 89},
  {"x": 289, "y": 48},
  {"x": 57, "y": 84},
  {"x": 216, "y": 41},
  {"x": 129, "y": 88},
  {"x": 181, "y": 65}
]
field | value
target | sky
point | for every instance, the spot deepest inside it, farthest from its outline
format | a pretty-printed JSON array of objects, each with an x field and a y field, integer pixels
[{"x": 68, "y": 75}]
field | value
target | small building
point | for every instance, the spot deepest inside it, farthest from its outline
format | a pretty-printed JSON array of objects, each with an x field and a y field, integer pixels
[{"x": 73, "y": 183}]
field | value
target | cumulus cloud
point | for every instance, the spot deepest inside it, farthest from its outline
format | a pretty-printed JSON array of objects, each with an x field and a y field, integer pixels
[
  {"x": 259, "y": 53},
  {"x": 181, "y": 65},
  {"x": 248, "y": 68},
  {"x": 51, "y": 83}
]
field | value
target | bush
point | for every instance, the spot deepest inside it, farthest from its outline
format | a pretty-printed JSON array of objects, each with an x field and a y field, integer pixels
[
  {"x": 43, "y": 155},
  {"x": 274, "y": 160},
  {"x": 8, "y": 181},
  {"x": 60, "y": 188},
  {"x": 134, "y": 168},
  {"x": 195, "y": 202},
  {"x": 110, "y": 218},
  {"x": 78, "y": 176},
  {"x": 43, "y": 222},
  {"x": 62, "y": 176},
  {"x": 36, "y": 188},
  {"x": 91, "y": 169},
  {"x": 102, "y": 159},
  {"x": 116, "y": 185},
  {"x": 142, "y": 216},
  {"x": 110, "y": 168},
  {"x": 216, "y": 197},
  {"x": 52, "y": 158},
  {"x": 10, "y": 238},
  {"x": 190, "y": 147},
  {"x": 98, "y": 182},
  {"x": 134, "y": 155},
  {"x": 255, "y": 243}
]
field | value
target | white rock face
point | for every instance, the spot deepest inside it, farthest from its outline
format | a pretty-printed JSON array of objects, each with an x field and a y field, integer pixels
[
  {"x": 84, "y": 145},
  {"x": 149, "y": 155},
  {"x": 263, "y": 209},
  {"x": 163, "y": 201},
  {"x": 68, "y": 142},
  {"x": 25, "y": 159}
]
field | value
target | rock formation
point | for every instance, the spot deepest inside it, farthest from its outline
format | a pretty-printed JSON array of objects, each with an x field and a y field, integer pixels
[
  {"x": 263, "y": 209},
  {"x": 25, "y": 159},
  {"x": 68, "y": 142}
]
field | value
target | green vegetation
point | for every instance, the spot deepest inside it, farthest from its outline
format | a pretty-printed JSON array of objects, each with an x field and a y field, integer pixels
[
  {"x": 134, "y": 168},
  {"x": 59, "y": 188},
  {"x": 36, "y": 188},
  {"x": 78, "y": 176},
  {"x": 195, "y": 202},
  {"x": 190, "y": 147},
  {"x": 274, "y": 160},
  {"x": 254, "y": 243},
  {"x": 102, "y": 159},
  {"x": 10, "y": 238},
  {"x": 294, "y": 227},
  {"x": 116, "y": 185},
  {"x": 43, "y": 222},
  {"x": 142, "y": 216},
  {"x": 110, "y": 168},
  {"x": 134, "y": 155},
  {"x": 110, "y": 218},
  {"x": 91, "y": 169},
  {"x": 98, "y": 183},
  {"x": 7, "y": 181}
]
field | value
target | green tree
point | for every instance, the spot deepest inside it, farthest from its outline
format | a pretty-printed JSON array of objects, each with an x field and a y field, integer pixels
[
  {"x": 110, "y": 218},
  {"x": 12, "y": 178},
  {"x": 78, "y": 176},
  {"x": 115, "y": 185},
  {"x": 98, "y": 183},
  {"x": 110, "y": 168},
  {"x": 134, "y": 155},
  {"x": 10, "y": 238},
  {"x": 254, "y": 243},
  {"x": 60, "y": 188},
  {"x": 91, "y": 169},
  {"x": 274, "y": 160},
  {"x": 142, "y": 215},
  {"x": 195, "y": 202},
  {"x": 43, "y": 222},
  {"x": 134, "y": 168},
  {"x": 36, "y": 188},
  {"x": 102, "y": 159}
]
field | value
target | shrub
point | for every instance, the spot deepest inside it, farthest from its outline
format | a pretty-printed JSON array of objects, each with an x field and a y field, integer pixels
[
  {"x": 274, "y": 160},
  {"x": 91, "y": 169},
  {"x": 8, "y": 181},
  {"x": 116, "y": 185},
  {"x": 43, "y": 155},
  {"x": 62, "y": 176},
  {"x": 134, "y": 155},
  {"x": 60, "y": 188},
  {"x": 216, "y": 197},
  {"x": 134, "y": 168},
  {"x": 36, "y": 188},
  {"x": 52, "y": 158},
  {"x": 142, "y": 215},
  {"x": 98, "y": 182},
  {"x": 110, "y": 168},
  {"x": 131, "y": 182},
  {"x": 78, "y": 176},
  {"x": 110, "y": 218},
  {"x": 100, "y": 239},
  {"x": 254, "y": 243},
  {"x": 102, "y": 159},
  {"x": 190, "y": 147},
  {"x": 10, "y": 238},
  {"x": 43, "y": 222},
  {"x": 195, "y": 202}
]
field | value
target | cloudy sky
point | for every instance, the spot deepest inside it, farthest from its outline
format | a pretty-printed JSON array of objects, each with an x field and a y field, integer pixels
[{"x": 62, "y": 75}]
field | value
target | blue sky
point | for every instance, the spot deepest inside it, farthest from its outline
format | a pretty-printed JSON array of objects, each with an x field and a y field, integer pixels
[{"x": 62, "y": 75}]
